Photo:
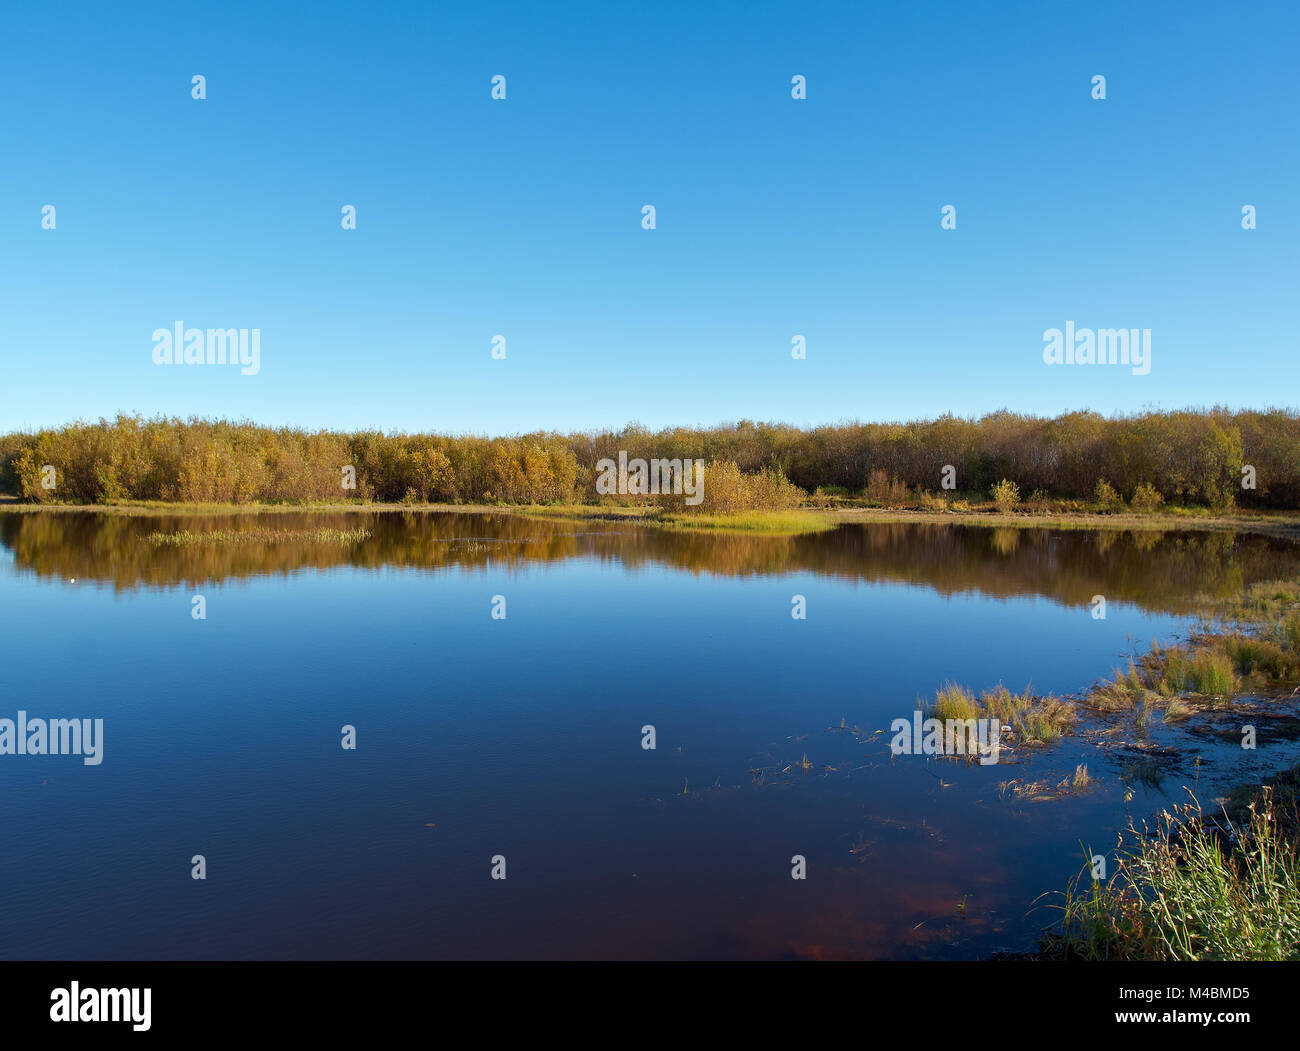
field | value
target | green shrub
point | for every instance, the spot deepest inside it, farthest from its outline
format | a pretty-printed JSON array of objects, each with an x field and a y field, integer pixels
[
  {"x": 1108, "y": 500},
  {"x": 1146, "y": 499},
  {"x": 1006, "y": 495}
]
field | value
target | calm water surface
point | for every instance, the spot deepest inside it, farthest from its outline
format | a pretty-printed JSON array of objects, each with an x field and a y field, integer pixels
[{"x": 522, "y": 737}]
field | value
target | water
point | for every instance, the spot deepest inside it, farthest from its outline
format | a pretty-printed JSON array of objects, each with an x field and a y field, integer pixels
[{"x": 522, "y": 737}]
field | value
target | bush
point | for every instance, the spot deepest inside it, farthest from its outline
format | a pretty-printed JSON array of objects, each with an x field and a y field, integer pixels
[
  {"x": 1146, "y": 499},
  {"x": 1006, "y": 495},
  {"x": 885, "y": 489},
  {"x": 1108, "y": 500},
  {"x": 729, "y": 490}
]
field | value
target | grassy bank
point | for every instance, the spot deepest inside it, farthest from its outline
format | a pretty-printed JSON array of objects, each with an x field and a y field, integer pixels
[
  {"x": 1217, "y": 885},
  {"x": 1284, "y": 524}
]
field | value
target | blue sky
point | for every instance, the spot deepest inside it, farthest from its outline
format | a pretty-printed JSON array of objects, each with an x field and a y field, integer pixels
[{"x": 522, "y": 217}]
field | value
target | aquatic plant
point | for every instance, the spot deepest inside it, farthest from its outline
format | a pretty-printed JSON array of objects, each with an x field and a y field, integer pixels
[
  {"x": 1190, "y": 889},
  {"x": 1206, "y": 670},
  {"x": 1124, "y": 691},
  {"x": 1034, "y": 719},
  {"x": 953, "y": 702},
  {"x": 1046, "y": 720}
]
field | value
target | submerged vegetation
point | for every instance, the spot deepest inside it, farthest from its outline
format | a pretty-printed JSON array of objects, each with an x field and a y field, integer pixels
[{"x": 1072, "y": 463}]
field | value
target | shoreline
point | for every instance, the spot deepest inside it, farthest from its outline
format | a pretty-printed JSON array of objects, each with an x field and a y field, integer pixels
[{"x": 1280, "y": 524}]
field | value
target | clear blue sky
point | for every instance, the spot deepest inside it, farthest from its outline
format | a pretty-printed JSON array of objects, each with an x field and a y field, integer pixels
[{"x": 523, "y": 217}]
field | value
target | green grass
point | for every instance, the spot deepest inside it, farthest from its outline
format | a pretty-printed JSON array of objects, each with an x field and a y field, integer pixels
[
  {"x": 1124, "y": 691},
  {"x": 1205, "y": 671},
  {"x": 1289, "y": 630},
  {"x": 1269, "y": 523},
  {"x": 784, "y": 522},
  {"x": 1212, "y": 670},
  {"x": 1000, "y": 703},
  {"x": 1182, "y": 892},
  {"x": 1262, "y": 659},
  {"x": 1034, "y": 719},
  {"x": 1046, "y": 721},
  {"x": 778, "y": 523},
  {"x": 953, "y": 702}
]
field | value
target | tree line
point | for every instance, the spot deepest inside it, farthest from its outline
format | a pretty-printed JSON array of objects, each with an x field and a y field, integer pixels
[{"x": 1213, "y": 457}]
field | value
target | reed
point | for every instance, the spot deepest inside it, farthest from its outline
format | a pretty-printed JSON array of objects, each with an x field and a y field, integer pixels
[{"x": 1190, "y": 889}]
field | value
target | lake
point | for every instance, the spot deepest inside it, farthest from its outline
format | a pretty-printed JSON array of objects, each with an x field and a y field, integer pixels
[{"x": 521, "y": 737}]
